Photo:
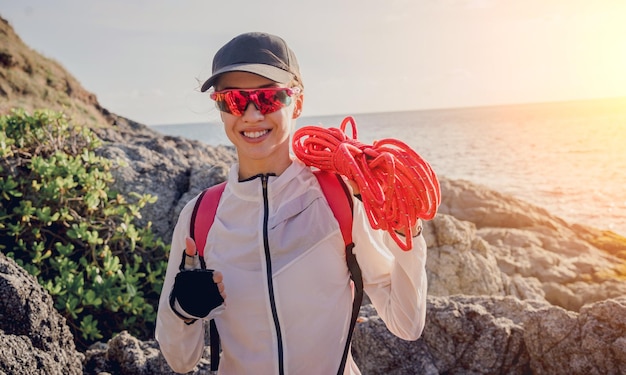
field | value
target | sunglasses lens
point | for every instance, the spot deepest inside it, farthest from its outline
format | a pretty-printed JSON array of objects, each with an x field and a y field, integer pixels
[
  {"x": 265, "y": 100},
  {"x": 269, "y": 101},
  {"x": 233, "y": 102},
  {"x": 223, "y": 102},
  {"x": 237, "y": 102}
]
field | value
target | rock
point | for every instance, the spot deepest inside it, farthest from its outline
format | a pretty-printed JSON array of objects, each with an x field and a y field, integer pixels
[
  {"x": 487, "y": 208},
  {"x": 484, "y": 242},
  {"x": 591, "y": 342},
  {"x": 173, "y": 169},
  {"x": 377, "y": 351},
  {"x": 458, "y": 261},
  {"x": 569, "y": 270},
  {"x": 34, "y": 337},
  {"x": 603, "y": 239},
  {"x": 124, "y": 354},
  {"x": 525, "y": 288},
  {"x": 498, "y": 335},
  {"x": 463, "y": 335},
  {"x": 602, "y": 327}
]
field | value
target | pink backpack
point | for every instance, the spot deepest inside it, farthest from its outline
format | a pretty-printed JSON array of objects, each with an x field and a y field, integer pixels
[{"x": 340, "y": 201}]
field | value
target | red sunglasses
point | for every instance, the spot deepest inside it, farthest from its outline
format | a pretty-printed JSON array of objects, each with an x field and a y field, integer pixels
[{"x": 267, "y": 100}]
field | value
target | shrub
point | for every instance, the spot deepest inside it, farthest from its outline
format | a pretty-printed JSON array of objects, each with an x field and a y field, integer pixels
[{"x": 61, "y": 221}]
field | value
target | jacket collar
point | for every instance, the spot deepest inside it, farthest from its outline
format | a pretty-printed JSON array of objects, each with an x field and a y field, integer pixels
[{"x": 251, "y": 189}]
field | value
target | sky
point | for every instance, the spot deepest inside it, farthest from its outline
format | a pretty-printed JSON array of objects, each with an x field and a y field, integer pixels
[{"x": 146, "y": 59}]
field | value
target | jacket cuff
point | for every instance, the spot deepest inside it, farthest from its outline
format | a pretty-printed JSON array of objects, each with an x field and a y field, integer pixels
[{"x": 418, "y": 231}]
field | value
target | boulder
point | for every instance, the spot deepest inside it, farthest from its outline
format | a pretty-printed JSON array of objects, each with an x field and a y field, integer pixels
[
  {"x": 458, "y": 261},
  {"x": 34, "y": 337},
  {"x": 174, "y": 169},
  {"x": 498, "y": 335},
  {"x": 591, "y": 342},
  {"x": 485, "y": 242},
  {"x": 126, "y": 355},
  {"x": 488, "y": 208}
]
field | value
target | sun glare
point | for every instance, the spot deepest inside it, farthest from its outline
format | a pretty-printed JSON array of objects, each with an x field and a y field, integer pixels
[{"x": 604, "y": 51}]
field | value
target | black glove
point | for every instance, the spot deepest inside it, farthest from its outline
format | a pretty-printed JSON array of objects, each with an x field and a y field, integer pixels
[{"x": 196, "y": 292}]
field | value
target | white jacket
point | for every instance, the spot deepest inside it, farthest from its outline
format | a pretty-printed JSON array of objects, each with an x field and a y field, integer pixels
[{"x": 301, "y": 314}]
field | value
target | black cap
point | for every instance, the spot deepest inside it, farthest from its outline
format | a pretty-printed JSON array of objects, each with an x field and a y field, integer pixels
[{"x": 259, "y": 53}]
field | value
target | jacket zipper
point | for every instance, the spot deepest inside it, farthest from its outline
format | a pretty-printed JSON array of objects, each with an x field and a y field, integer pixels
[{"x": 270, "y": 281}]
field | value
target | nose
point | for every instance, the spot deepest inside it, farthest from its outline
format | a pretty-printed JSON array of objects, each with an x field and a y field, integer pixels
[{"x": 252, "y": 113}]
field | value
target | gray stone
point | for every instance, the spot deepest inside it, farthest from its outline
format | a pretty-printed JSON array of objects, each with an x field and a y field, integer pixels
[
  {"x": 124, "y": 354},
  {"x": 173, "y": 169},
  {"x": 34, "y": 337},
  {"x": 498, "y": 335}
]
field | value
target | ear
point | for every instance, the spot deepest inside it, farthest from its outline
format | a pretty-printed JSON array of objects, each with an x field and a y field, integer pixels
[{"x": 297, "y": 109}]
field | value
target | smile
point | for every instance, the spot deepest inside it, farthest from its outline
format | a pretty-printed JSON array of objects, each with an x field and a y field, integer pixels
[{"x": 255, "y": 134}]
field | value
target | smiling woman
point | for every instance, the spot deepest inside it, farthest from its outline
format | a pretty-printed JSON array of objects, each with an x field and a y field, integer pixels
[{"x": 266, "y": 266}]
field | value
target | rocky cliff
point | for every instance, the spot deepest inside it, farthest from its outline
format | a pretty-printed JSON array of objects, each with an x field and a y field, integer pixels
[
  {"x": 512, "y": 288},
  {"x": 32, "y": 81}
]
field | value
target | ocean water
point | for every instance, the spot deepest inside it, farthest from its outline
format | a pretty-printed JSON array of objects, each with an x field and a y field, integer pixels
[{"x": 568, "y": 157}]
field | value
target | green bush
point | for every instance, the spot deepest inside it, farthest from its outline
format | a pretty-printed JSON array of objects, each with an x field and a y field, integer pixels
[{"x": 60, "y": 221}]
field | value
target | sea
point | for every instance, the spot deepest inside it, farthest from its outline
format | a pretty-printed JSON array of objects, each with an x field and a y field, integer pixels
[{"x": 568, "y": 157}]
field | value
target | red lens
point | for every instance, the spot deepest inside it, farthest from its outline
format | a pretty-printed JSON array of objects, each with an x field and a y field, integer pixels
[{"x": 265, "y": 100}]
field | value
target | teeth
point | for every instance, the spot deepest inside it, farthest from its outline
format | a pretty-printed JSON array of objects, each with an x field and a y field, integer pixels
[{"x": 256, "y": 134}]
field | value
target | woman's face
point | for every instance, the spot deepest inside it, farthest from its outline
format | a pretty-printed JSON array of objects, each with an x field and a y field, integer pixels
[{"x": 262, "y": 141}]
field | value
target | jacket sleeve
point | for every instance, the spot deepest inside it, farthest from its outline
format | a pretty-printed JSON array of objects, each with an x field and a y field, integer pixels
[
  {"x": 182, "y": 345},
  {"x": 394, "y": 279}
]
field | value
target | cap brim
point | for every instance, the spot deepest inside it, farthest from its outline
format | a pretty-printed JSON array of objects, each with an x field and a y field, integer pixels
[{"x": 270, "y": 72}]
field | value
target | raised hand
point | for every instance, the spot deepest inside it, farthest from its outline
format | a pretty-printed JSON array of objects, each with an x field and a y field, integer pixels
[{"x": 192, "y": 262}]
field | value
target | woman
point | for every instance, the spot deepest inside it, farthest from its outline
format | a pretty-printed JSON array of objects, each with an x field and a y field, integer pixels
[{"x": 277, "y": 250}]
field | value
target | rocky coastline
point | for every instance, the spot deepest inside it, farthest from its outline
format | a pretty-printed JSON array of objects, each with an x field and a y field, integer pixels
[{"x": 512, "y": 288}]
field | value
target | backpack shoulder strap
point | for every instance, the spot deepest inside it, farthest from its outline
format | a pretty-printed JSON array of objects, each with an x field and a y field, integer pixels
[
  {"x": 207, "y": 206},
  {"x": 198, "y": 230},
  {"x": 340, "y": 200}
]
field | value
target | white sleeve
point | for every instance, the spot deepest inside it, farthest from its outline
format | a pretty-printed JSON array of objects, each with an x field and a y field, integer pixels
[
  {"x": 394, "y": 279},
  {"x": 182, "y": 345}
]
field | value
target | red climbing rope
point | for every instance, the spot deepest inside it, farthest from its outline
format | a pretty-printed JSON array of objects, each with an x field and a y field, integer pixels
[{"x": 396, "y": 185}]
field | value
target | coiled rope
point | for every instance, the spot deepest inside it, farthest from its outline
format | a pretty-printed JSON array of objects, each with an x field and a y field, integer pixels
[{"x": 396, "y": 185}]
